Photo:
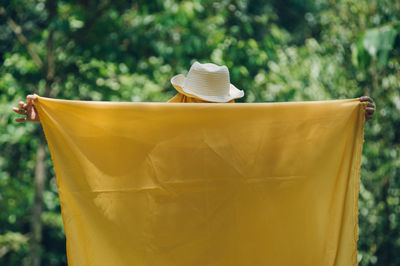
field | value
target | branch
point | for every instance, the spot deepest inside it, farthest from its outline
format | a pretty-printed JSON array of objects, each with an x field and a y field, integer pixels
[
  {"x": 50, "y": 70},
  {"x": 88, "y": 25},
  {"x": 18, "y": 32},
  {"x": 50, "y": 66}
]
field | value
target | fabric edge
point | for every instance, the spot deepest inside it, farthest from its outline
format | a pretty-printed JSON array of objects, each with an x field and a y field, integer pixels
[
  {"x": 42, "y": 114},
  {"x": 357, "y": 177}
]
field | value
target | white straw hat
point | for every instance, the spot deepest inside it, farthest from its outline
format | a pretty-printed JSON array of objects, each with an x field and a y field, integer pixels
[{"x": 208, "y": 82}]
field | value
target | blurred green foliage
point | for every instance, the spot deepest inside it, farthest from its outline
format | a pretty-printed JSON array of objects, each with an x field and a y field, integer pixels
[{"x": 285, "y": 50}]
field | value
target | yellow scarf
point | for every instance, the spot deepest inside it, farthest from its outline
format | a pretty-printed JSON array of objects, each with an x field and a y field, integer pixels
[{"x": 207, "y": 184}]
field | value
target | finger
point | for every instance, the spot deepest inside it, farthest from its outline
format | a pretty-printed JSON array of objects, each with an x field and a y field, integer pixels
[
  {"x": 369, "y": 115},
  {"x": 19, "y": 111},
  {"x": 369, "y": 109},
  {"x": 366, "y": 99},
  {"x": 370, "y": 104},
  {"x": 23, "y": 119},
  {"x": 22, "y": 105},
  {"x": 31, "y": 98},
  {"x": 35, "y": 110}
]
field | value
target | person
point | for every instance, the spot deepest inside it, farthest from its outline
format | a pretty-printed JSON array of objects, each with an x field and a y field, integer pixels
[{"x": 205, "y": 83}]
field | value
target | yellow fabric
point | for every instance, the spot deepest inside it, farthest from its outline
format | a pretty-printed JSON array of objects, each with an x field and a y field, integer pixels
[
  {"x": 181, "y": 98},
  {"x": 170, "y": 184}
]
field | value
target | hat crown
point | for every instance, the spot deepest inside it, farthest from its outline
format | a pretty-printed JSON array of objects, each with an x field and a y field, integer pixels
[{"x": 208, "y": 79}]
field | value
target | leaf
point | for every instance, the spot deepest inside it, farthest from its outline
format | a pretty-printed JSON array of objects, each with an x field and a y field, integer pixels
[{"x": 378, "y": 42}]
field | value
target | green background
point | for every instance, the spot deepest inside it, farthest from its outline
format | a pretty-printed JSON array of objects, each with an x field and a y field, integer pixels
[{"x": 278, "y": 50}]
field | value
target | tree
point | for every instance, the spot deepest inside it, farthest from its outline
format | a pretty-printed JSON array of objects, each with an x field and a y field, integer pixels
[{"x": 128, "y": 51}]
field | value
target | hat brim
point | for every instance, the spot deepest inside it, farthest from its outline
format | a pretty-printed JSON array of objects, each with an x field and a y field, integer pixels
[{"x": 178, "y": 81}]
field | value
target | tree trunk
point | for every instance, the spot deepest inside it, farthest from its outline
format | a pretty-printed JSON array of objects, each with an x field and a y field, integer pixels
[
  {"x": 40, "y": 172},
  {"x": 34, "y": 258}
]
